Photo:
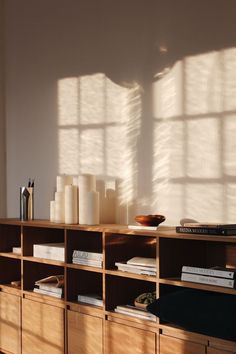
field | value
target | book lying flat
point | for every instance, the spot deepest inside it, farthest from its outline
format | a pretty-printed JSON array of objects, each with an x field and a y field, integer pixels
[
  {"x": 124, "y": 267},
  {"x": 204, "y": 279},
  {"x": 143, "y": 261},
  {"x": 215, "y": 271},
  {"x": 54, "y": 251},
  {"x": 87, "y": 255},
  {"x": 45, "y": 292},
  {"x": 92, "y": 299},
  {"x": 206, "y": 230},
  {"x": 134, "y": 312},
  {"x": 210, "y": 225},
  {"x": 88, "y": 262}
]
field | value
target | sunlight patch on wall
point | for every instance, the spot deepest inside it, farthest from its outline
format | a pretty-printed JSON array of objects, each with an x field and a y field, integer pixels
[
  {"x": 98, "y": 128},
  {"x": 194, "y": 169}
]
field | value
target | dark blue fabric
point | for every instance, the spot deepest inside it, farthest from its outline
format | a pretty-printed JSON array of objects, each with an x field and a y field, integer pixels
[{"x": 209, "y": 313}]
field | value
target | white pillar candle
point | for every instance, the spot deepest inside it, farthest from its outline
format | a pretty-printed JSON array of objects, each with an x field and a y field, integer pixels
[
  {"x": 52, "y": 210},
  {"x": 71, "y": 204},
  {"x": 60, "y": 183},
  {"x": 59, "y": 207},
  {"x": 93, "y": 208},
  {"x": 76, "y": 183},
  {"x": 87, "y": 183}
]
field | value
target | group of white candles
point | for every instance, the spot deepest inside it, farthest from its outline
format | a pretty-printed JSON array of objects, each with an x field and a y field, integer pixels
[{"x": 76, "y": 200}]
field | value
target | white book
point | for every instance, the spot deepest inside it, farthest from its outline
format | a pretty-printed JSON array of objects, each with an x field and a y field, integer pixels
[
  {"x": 92, "y": 299},
  {"x": 134, "y": 309},
  {"x": 216, "y": 272},
  {"x": 50, "y": 287},
  {"x": 87, "y": 255},
  {"x": 140, "y": 227},
  {"x": 89, "y": 262},
  {"x": 49, "y": 293},
  {"x": 132, "y": 269},
  {"x": 54, "y": 251},
  {"x": 203, "y": 279},
  {"x": 137, "y": 315},
  {"x": 16, "y": 250},
  {"x": 143, "y": 261}
]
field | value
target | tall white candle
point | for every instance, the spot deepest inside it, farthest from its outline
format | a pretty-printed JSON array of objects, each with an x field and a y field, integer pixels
[
  {"x": 93, "y": 208},
  {"x": 59, "y": 207},
  {"x": 52, "y": 210},
  {"x": 87, "y": 183},
  {"x": 71, "y": 204}
]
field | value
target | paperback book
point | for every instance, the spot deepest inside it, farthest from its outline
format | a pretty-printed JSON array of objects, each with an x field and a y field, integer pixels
[
  {"x": 205, "y": 230},
  {"x": 49, "y": 293},
  {"x": 124, "y": 267},
  {"x": 135, "y": 312},
  {"x": 92, "y": 299},
  {"x": 87, "y": 255},
  {"x": 215, "y": 271},
  {"x": 205, "y": 279}
]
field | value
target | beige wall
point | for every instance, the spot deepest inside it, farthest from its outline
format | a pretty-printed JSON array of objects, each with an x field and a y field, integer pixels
[
  {"x": 2, "y": 122},
  {"x": 83, "y": 94}
]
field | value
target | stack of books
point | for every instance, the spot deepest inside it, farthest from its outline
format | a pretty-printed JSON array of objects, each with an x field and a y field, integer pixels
[
  {"x": 52, "y": 286},
  {"x": 87, "y": 258},
  {"x": 135, "y": 312},
  {"x": 207, "y": 229},
  {"x": 211, "y": 276},
  {"x": 138, "y": 265},
  {"x": 54, "y": 251},
  {"x": 92, "y": 299}
]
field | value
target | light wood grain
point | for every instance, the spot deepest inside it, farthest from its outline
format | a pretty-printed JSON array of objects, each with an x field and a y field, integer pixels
[
  {"x": 42, "y": 328},
  {"x": 171, "y": 345},
  {"x": 122, "y": 339},
  {"x": 85, "y": 333},
  {"x": 10, "y": 323}
]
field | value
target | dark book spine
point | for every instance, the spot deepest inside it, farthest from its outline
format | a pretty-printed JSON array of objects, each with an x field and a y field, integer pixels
[{"x": 199, "y": 230}]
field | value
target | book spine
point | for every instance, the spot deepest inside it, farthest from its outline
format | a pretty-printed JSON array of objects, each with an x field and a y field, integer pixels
[
  {"x": 209, "y": 271},
  {"x": 87, "y": 255},
  {"x": 50, "y": 288},
  {"x": 199, "y": 230},
  {"x": 204, "y": 279}
]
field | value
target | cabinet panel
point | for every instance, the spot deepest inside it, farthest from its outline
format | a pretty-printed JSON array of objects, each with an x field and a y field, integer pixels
[
  {"x": 85, "y": 333},
  {"x": 122, "y": 339},
  {"x": 10, "y": 323},
  {"x": 42, "y": 328},
  {"x": 171, "y": 345},
  {"x": 219, "y": 351}
]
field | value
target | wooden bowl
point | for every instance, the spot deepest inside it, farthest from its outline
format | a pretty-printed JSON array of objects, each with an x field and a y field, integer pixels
[{"x": 150, "y": 220}]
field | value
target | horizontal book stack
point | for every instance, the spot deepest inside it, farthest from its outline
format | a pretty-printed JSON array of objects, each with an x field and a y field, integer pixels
[
  {"x": 91, "y": 299},
  {"x": 87, "y": 258},
  {"x": 211, "y": 276},
  {"x": 51, "y": 286},
  {"x": 207, "y": 229},
  {"x": 135, "y": 312},
  {"x": 54, "y": 251},
  {"x": 138, "y": 265}
]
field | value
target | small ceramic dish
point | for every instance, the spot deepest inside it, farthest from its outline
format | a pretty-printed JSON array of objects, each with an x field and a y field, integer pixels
[{"x": 150, "y": 220}]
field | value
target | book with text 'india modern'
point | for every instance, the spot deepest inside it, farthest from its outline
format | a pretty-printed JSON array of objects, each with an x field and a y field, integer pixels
[{"x": 205, "y": 230}]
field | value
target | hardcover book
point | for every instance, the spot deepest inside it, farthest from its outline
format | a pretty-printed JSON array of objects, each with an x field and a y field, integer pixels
[
  {"x": 209, "y": 280},
  {"x": 215, "y": 271},
  {"x": 205, "y": 230}
]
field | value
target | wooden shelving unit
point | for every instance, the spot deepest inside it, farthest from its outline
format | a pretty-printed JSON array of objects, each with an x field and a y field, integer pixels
[{"x": 36, "y": 323}]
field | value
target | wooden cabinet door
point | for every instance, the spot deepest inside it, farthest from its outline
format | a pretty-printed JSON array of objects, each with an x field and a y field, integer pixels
[
  {"x": 219, "y": 351},
  {"x": 10, "y": 323},
  {"x": 171, "y": 345},
  {"x": 85, "y": 333},
  {"x": 122, "y": 339},
  {"x": 42, "y": 328}
]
